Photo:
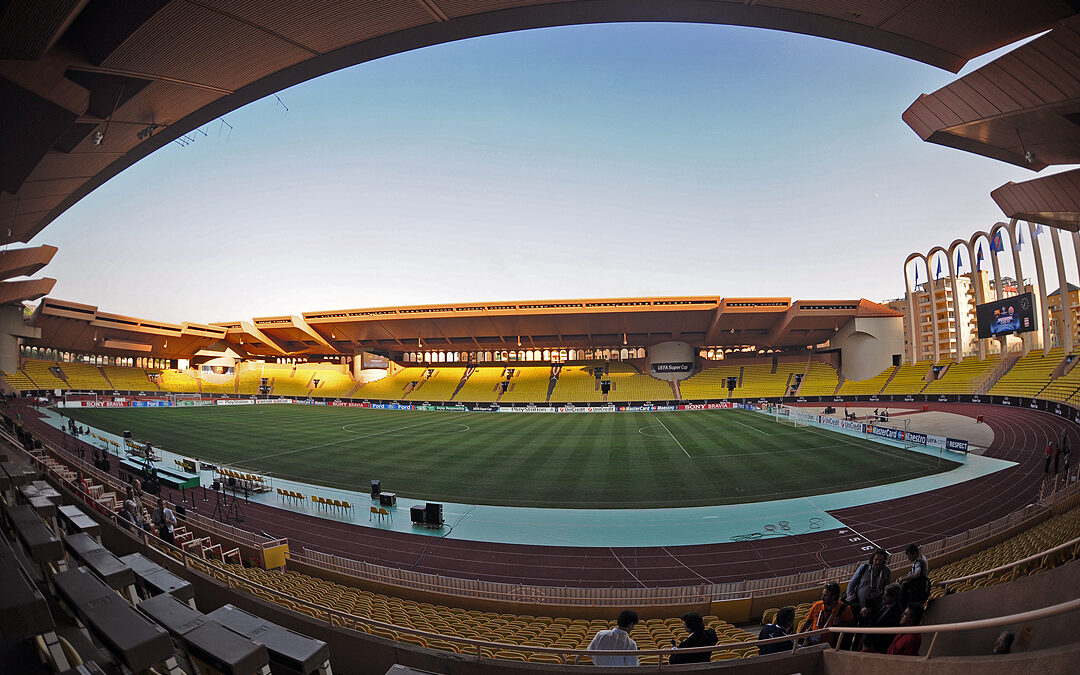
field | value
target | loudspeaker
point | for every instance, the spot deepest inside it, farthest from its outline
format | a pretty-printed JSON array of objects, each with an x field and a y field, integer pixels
[
  {"x": 387, "y": 499},
  {"x": 433, "y": 514},
  {"x": 127, "y": 434},
  {"x": 416, "y": 514},
  {"x": 605, "y": 386},
  {"x": 375, "y": 489}
]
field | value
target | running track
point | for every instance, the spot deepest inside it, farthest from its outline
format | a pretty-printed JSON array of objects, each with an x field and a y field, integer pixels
[{"x": 1020, "y": 435}]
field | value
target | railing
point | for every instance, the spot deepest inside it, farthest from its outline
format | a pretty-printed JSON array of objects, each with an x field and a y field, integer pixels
[
  {"x": 1022, "y": 617},
  {"x": 1012, "y": 567}
]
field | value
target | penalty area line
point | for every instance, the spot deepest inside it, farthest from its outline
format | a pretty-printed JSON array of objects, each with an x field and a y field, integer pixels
[{"x": 673, "y": 437}]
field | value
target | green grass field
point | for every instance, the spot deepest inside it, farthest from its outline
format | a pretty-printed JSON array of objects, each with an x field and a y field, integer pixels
[{"x": 555, "y": 460}]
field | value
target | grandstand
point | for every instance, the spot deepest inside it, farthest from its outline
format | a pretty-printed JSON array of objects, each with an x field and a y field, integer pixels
[
  {"x": 482, "y": 385},
  {"x": 627, "y": 384},
  {"x": 124, "y": 378},
  {"x": 1064, "y": 388},
  {"x": 577, "y": 382},
  {"x": 439, "y": 385},
  {"x": 179, "y": 381},
  {"x": 910, "y": 378},
  {"x": 874, "y": 385},
  {"x": 821, "y": 379},
  {"x": 966, "y": 377},
  {"x": 528, "y": 384},
  {"x": 711, "y": 382},
  {"x": 761, "y": 380},
  {"x": 392, "y": 387},
  {"x": 1029, "y": 375}
]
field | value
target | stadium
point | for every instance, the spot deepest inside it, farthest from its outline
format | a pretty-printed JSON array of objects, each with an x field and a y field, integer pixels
[{"x": 483, "y": 486}]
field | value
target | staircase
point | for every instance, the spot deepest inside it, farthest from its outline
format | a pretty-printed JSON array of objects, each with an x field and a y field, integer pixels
[
  {"x": 1007, "y": 361},
  {"x": 102, "y": 371}
]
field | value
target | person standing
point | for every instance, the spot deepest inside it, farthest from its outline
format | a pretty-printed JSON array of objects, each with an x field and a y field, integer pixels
[
  {"x": 915, "y": 585},
  {"x": 866, "y": 589},
  {"x": 1057, "y": 459},
  {"x": 617, "y": 638},
  {"x": 165, "y": 521},
  {"x": 1049, "y": 452}
]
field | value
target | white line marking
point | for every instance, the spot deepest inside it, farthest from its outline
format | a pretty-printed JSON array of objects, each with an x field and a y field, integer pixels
[
  {"x": 344, "y": 440},
  {"x": 866, "y": 539},
  {"x": 754, "y": 428},
  {"x": 673, "y": 437},
  {"x": 632, "y": 575}
]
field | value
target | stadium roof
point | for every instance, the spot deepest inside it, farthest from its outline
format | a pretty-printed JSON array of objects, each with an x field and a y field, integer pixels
[
  {"x": 144, "y": 74},
  {"x": 606, "y": 322}
]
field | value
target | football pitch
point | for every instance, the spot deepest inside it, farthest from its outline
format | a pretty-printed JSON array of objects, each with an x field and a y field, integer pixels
[{"x": 594, "y": 460}]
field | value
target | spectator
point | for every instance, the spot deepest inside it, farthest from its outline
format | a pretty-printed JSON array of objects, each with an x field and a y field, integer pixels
[
  {"x": 617, "y": 638},
  {"x": 1003, "y": 644},
  {"x": 131, "y": 516},
  {"x": 165, "y": 521},
  {"x": 866, "y": 589},
  {"x": 1049, "y": 453},
  {"x": 781, "y": 626},
  {"x": 1057, "y": 459},
  {"x": 907, "y": 644},
  {"x": 915, "y": 585},
  {"x": 831, "y": 610},
  {"x": 699, "y": 636},
  {"x": 887, "y": 615}
]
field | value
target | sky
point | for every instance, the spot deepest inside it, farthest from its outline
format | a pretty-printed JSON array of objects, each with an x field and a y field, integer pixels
[{"x": 609, "y": 160}]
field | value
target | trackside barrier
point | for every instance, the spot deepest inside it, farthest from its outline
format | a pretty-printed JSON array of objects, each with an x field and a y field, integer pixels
[{"x": 603, "y": 597}]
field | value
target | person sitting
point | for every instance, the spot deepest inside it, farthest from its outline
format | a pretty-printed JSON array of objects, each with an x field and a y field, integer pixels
[
  {"x": 781, "y": 626},
  {"x": 866, "y": 588},
  {"x": 699, "y": 636},
  {"x": 915, "y": 585},
  {"x": 831, "y": 610},
  {"x": 887, "y": 615},
  {"x": 907, "y": 644},
  {"x": 617, "y": 638}
]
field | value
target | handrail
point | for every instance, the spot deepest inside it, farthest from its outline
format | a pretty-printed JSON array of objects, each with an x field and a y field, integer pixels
[
  {"x": 1011, "y": 566},
  {"x": 937, "y": 629}
]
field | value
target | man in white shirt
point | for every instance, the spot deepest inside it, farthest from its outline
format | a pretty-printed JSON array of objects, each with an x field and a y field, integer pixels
[{"x": 616, "y": 639}]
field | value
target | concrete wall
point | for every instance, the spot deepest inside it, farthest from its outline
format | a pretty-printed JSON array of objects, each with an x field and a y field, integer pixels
[
  {"x": 1059, "y": 660},
  {"x": 13, "y": 327},
  {"x": 867, "y": 345}
]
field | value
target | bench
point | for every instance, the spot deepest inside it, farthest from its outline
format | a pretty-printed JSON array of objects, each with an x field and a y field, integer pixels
[
  {"x": 130, "y": 637},
  {"x": 73, "y": 520},
  {"x": 88, "y": 552},
  {"x": 290, "y": 652},
  {"x": 207, "y": 643},
  {"x": 152, "y": 579}
]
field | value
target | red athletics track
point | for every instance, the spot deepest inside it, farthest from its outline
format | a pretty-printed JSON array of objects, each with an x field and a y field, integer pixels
[{"x": 1020, "y": 435}]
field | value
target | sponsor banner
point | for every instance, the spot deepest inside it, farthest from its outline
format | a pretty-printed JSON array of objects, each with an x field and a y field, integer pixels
[
  {"x": 349, "y": 404},
  {"x": 852, "y": 426},
  {"x": 800, "y": 414},
  {"x": 886, "y": 432},
  {"x": 707, "y": 406},
  {"x": 915, "y": 437},
  {"x": 672, "y": 367},
  {"x": 392, "y": 406},
  {"x": 830, "y": 421},
  {"x": 151, "y": 404},
  {"x": 452, "y": 408},
  {"x": 936, "y": 441},
  {"x": 665, "y": 408},
  {"x": 194, "y": 402},
  {"x": 956, "y": 445},
  {"x": 103, "y": 404},
  {"x": 426, "y": 408},
  {"x": 235, "y": 401},
  {"x": 263, "y": 401},
  {"x": 605, "y": 408},
  {"x": 532, "y": 409},
  {"x": 638, "y": 408}
]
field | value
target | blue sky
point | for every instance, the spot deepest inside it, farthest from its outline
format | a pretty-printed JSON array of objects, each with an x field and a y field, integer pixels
[{"x": 588, "y": 161}]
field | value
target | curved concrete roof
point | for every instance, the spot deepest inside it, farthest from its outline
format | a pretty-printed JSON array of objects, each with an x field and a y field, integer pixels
[{"x": 145, "y": 74}]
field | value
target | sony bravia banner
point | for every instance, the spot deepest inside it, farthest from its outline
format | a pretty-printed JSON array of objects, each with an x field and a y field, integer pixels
[{"x": 1007, "y": 316}]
